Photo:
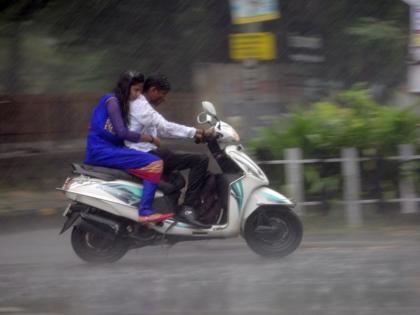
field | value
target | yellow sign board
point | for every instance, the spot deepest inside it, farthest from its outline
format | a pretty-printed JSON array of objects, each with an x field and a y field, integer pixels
[{"x": 259, "y": 46}]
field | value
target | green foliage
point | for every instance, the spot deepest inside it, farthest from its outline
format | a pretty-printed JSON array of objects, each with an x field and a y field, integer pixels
[
  {"x": 316, "y": 183},
  {"x": 351, "y": 119}
]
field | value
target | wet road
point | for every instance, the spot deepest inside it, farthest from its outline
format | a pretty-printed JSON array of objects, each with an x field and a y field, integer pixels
[{"x": 360, "y": 274}]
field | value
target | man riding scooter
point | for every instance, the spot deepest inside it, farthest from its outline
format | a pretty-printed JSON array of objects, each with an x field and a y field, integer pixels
[{"x": 143, "y": 118}]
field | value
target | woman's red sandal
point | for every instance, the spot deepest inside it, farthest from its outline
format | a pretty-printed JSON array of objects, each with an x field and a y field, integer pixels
[{"x": 156, "y": 217}]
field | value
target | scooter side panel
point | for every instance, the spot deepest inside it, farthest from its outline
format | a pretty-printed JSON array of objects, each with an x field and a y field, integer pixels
[
  {"x": 117, "y": 197},
  {"x": 108, "y": 206}
]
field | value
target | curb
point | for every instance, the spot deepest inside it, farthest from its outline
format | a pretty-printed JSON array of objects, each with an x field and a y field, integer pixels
[
  {"x": 42, "y": 212},
  {"x": 39, "y": 148},
  {"x": 30, "y": 219}
]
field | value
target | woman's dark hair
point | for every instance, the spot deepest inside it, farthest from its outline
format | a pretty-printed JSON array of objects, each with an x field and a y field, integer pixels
[
  {"x": 122, "y": 90},
  {"x": 158, "y": 81}
]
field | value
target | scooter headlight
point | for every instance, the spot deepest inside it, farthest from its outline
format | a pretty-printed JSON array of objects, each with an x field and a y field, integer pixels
[{"x": 235, "y": 136}]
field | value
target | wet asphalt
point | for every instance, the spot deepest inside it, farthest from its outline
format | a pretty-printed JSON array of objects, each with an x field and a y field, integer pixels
[{"x": 367, "y": 273}]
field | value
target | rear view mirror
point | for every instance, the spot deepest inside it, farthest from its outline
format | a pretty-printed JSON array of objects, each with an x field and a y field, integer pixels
[
  {"x": 203, "y": 118},
  {"x": 209, "y": 108}
]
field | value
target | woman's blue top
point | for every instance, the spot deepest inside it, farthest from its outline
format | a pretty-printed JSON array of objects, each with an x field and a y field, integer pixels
[{"x": 105, "y": 143}]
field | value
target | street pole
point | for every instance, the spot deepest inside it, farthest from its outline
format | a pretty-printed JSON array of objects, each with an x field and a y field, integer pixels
[
  {"x": 250, "y": 67},
  {"x": 413, "y": 76}
]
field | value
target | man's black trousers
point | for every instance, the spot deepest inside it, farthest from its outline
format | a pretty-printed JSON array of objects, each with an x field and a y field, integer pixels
[{"x": 178, "y": 160}]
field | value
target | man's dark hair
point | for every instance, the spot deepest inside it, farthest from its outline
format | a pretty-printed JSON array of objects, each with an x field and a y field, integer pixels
[
  {"x": 158, "y": 81},
  {"x": 122, "y": 90}
]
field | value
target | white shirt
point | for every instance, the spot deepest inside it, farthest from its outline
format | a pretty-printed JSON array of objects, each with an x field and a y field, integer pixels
[{"x": 143, "y": 118}]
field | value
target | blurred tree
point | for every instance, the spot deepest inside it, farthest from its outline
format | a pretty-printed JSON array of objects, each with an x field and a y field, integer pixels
[
  {"x": 363, "y": 40},
  {"x": 378, "y": 51},
  {"x": 82, "y": 45},
  {"x": 14, "y": 14},
  {"x": 151, "y": 36}
]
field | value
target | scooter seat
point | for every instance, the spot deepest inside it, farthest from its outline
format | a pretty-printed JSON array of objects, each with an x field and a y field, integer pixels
[{"x": 168, "y": 184}]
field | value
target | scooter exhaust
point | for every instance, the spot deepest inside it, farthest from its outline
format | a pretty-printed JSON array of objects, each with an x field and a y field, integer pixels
[{"x": 102, "y": 224}]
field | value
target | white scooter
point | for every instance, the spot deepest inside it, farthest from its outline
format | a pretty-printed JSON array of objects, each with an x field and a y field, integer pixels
[{"x": 103, "y": 211}]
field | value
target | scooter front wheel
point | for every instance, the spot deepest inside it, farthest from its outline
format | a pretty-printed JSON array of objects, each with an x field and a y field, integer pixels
[
  {"x": 95, "y": 248},
  {"x": 273, "y": 231}
]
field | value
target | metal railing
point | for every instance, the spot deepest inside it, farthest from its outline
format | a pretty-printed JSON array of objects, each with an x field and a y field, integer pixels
[{"x": 409, "y": 198}]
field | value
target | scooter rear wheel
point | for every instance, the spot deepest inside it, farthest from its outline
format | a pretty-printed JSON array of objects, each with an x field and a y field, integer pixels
[
  {"x": 95, "y": 248},
  {"x": 273, "y": 231}
]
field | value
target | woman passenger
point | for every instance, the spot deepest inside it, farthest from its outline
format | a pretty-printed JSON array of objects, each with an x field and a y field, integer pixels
[{"x": 105, "y": 142}]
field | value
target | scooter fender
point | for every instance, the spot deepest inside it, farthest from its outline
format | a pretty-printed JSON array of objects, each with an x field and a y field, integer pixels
[{"x": 264, "y": 196}]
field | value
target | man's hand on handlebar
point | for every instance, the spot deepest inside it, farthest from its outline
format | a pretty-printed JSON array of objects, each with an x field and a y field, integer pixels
[
  {"x": 199, "y": 135},
  {"x": 210, "y": 134},
  {"x": 202, "y": 135}
]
